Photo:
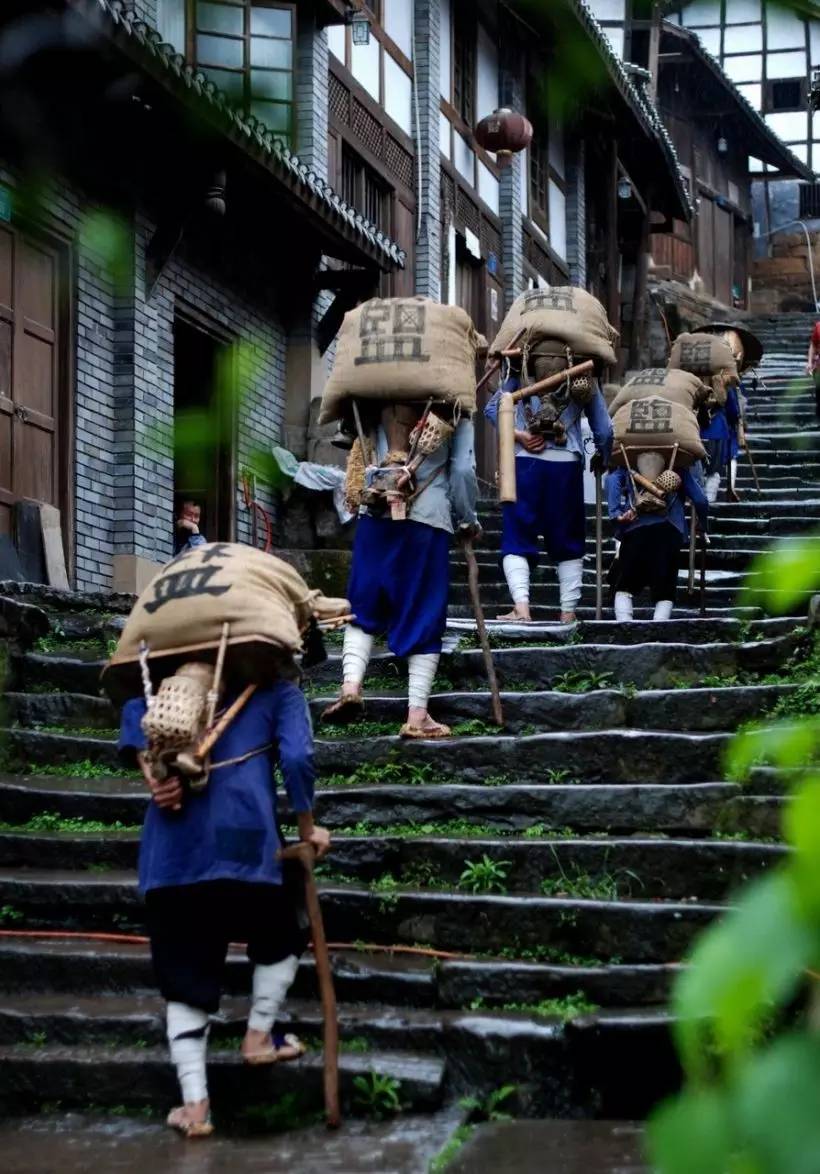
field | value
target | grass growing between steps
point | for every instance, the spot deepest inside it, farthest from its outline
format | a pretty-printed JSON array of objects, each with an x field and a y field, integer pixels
[
  {"x": 52, "y": 823},
  {"x": 57, "y": 645},
  {"x": 108, "y": 735},
  {"x": 456, "y": 829},
  {"x": 566, "y": 1009},
  {"x": 81, "y": 769}
]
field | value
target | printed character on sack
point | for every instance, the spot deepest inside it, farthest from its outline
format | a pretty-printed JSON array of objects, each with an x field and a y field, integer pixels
[
  {"x": 218, "y": 631},
  {"x": 562, "y": 327},
  {"x": 404, "y": 380}
]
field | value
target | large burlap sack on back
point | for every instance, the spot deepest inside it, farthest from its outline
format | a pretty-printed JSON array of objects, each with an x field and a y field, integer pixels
[
  {"x": 407, "y": 349},
  {"x": 655, "y": 425},
  {"x": 702, "y": 354},
  {"x": 566, "y": 313},
  {"x": 182, "y": 610},
  {"x": 681, "y": 387}
]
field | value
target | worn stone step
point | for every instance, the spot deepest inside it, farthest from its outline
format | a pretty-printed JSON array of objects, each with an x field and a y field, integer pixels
[
  {"x": 656, "y": 867},
  {"x": 631, "y": 930},
  {"x": 60, "y": 709},
  {"x": 694, "y": 808},
  {"x": 104, "y": 1076},
  {"x": 682, "y": 628}
]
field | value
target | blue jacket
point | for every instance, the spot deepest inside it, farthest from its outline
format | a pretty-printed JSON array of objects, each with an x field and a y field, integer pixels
[
  {"x": 595, "y": 412},
  {"x": 620, "y": 497},
  {"x": 230, "y": 830}
]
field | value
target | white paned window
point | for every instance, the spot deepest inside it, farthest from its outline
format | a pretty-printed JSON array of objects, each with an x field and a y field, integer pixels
[
  {"x": 734, "y": 193},
  {"x": 753, "y": 93},
  {"x": 488, "y": 187},
  {"x": 487, "y": 70},
  {"x": 616, "y": 39},
  {"x": 738, "y": 10},
  {"x": 558, "y": 220},
  {"x": 607, "y": 9},
  {"x": 785, "y": 64},
  {"x": 744, "y": 69},
  {"x": 755, "y": 164},
  {"x": 398, "y": 24},
  {"x": 784, "y": 30},
  {"x": 444, "y": 135},
  {"x": 464, "y": 158},
  {"x": 814, "y": 33},
  {"x": 788, "y": 125},
  {"x": 398, "y": 94},
  {"x": 801, "y": 150},
  {"x": 446, "y": 51},
  {"x": 710, "y": 39},
  {"x": 747, "y": 39},
  {"x": 336, "y": 37},
  {"x": 364, "y": 64},
  {"x": 171, "y": 23},
  {"x": 702, "y": 12},
  {"x": 555, "y": 151},
  {"x": 524, "y": 181}
]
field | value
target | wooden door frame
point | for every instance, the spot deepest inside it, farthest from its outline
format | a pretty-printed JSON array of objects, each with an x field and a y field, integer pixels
[
  {"x": 195, "y": 319},
  {"x": 56, "y": 236}
]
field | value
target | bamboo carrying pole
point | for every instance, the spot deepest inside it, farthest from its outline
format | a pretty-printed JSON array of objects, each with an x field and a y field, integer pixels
[
  {"x": 472, "y": 579},
  {"x": 495, "y": 365},
  {"x": 306, "y": 856},
  {"x": 507, "y": 491},
  {"x": 599, "y": 549},
  {"x": 554, "y": 380}
]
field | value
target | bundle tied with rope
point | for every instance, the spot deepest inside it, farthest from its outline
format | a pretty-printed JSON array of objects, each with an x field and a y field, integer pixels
[
  {"x": 680, "y": 387},
  {"x": 656, "y": 425},
  {"x": 221, "y": 618},
  {"x": 710, "y": 357}
]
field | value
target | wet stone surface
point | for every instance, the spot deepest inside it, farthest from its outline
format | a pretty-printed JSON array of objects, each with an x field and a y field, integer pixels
[{"x": 553, "y": 1147}]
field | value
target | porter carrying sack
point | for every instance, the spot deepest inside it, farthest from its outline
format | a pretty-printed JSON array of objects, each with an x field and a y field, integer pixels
[
  {"x": 566, "y": 314},
  {"x": 403, "y": 349},
  {"x": 681, "y": 387},
  {"x": 702, "y": 354},
  {"x": 181, "y": 613},
  {"x": 656, "y": 425}
]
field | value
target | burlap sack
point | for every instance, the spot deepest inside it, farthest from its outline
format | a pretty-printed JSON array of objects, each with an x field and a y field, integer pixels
[
  {"x": 182, "y": 610},
  {"x": 702, "y": 354},
  {"x": 567, "y": 314},
  {"x": 406, "y": 349},
  {"x": 655, "y": 424},
  {"x": 681, "y": 387}
]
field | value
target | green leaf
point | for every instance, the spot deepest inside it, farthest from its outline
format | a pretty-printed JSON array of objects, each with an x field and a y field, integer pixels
[
  {"x": 801, "y": 823},
  {"x": 786, "y": 744},
  {"x": 784, "y": 576},
  {"x": 775, "y": 1106},
  {"x": 741, "y": 968},
  {"x": 691, "y": 1135}
]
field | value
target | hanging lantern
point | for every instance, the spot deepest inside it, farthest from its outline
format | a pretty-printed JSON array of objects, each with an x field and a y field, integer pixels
[{"x": 504, "y": 133}]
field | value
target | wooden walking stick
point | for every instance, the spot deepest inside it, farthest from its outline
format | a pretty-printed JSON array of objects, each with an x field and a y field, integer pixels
[
  {"x": 749, "y": 455},
  {"x": 599, "y": 548},
  {"x": 306, "y": 855},
  {"x": 692, "y": 543},
  {"x": 495, "y": 365},
  {"x": 472, "y": 579},
  {"x": 703, "y": 573}
]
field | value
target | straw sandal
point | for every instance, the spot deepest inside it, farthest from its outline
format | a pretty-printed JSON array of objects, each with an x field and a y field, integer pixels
[
  {"x": 346, "y": 708},
  {"x": 512, "y": 618},
  {"x": 192, "y": 1130},
  {"x": 425, "y": 733},
  {"x": 282, "y": 1049}
]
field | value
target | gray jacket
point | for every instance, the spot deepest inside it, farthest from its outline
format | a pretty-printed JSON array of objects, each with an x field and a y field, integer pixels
[{"x": 449, "y": 499}]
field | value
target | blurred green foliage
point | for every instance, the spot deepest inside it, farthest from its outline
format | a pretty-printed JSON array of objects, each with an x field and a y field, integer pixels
[{"x": 747, "y": 1007}]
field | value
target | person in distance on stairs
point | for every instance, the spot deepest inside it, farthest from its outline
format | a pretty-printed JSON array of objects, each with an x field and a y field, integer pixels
[
  {"x": 550, "y": 505},
  {"x": 650, "y": 543},
  {"x": 813, "y": 364},
  {"x": 210, "y": 875}
]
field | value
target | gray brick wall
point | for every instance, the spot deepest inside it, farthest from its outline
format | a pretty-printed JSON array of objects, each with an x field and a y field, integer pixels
[
  {"x": 576, "y": 212},
  {"x": 511, "y": 210},
  {"x": 428, "y": 248},
  {"x": 312, "y": 97}
]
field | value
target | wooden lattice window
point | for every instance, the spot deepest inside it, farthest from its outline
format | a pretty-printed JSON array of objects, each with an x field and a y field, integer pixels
[
  {"x": 539, "y": 182},
  {"x": 363, "y": 188},
  {"x": 465, "y": 37}
]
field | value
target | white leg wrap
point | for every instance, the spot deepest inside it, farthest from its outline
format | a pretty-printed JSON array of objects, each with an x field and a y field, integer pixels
[
  {"x": 517, "y": 574},
  {"x": 421, "y": 673},
  {"x": 712, "y": 487},
  {"x": 663, "y": 610},
  {"x": 623, "y": 605},
  {"x": 270, "y": 987},
  {"x": 188, "y": 1040},
  {"x": 570, "y": 578},
  {"x": 358, "y": 646},
  {"x": 733, "y": 479}
]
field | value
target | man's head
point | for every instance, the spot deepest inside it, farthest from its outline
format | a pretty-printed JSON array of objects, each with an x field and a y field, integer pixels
[{"x": 189, "y": 511}]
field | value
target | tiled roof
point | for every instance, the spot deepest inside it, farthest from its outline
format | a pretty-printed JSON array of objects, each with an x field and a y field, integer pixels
[
  {"x": 637, "y": 98},
  {"x": 246, "y": 130},
  {"x": 786, "y": 160}
]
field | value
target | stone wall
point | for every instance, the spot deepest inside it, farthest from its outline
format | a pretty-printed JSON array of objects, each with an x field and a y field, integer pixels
[
  {"x": 782, "y": 281},
  {"x": 674, "y": 307}
]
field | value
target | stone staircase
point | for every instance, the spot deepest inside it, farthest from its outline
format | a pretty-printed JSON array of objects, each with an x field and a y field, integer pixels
[{"x": 596, "y": 829}]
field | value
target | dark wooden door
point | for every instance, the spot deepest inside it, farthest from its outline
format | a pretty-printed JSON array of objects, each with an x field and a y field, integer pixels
[
  {"x": 29, "y": 373},
  {"x": 724, "y": 268}
]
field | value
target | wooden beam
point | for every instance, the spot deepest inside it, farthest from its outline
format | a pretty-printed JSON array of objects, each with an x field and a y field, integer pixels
[
  {"x": 344, "y": 280},
  {"x": 345, "y": 300},
  {"x": 639, "y": 297},
  {"x": 613, "y": 296}
]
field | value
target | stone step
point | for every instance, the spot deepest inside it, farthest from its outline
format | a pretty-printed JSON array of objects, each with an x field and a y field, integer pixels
[
  {"x": 633, "y": 867},
  {"x": 631, "y": 930},
  {"x": 104, "y": 1076}
]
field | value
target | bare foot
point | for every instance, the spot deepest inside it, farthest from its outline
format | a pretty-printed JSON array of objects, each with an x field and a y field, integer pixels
[
  {"x": 348, "y": 707},
  {"x": 192, "y": 1119},
  {"x": 519, "y": 615},
  {"x": 260, "y": 1047},
  {"x": 420, "y": 725}
]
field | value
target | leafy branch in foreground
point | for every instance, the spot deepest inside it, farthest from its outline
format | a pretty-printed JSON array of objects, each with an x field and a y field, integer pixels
[{"x": 747, "y": 1007}]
